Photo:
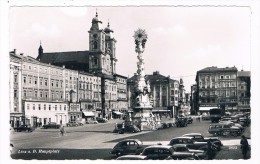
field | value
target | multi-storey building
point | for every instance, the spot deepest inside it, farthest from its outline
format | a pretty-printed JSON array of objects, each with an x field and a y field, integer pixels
[
  {"x": 121, "y": 93},
  {"x": 41, "y": 92},
  {"x": 15, "y": 84},
  {"x": 243, "y": 90},
  {"x": 218, "y": 87},
  {"x": 194, "y": 99},
  {"x": 164, "y": 93}
]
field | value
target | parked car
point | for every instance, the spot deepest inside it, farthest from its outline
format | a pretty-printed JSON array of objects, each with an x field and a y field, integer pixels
[
  {"x": 121, "y": 128},
  {"x": 26, "y": 128},
  {"x": 165, "y": 152},
  {"x": 190, "y": 142},
  {"x": 239, "y": 125},
  {"x": 132, "y": 157},
  {"x": 224, "y": 129},
  {"x": 51, "y": 125},
  {"x": 205, "y": 117},
  {"x": 198, "y": 137},
  {"x": 181, "y": 121},
  {"x": 91, "y": 122},
  {"x": 183, "y": 148},
  {"x": 128, "y": 146},
  {"x": 101, "y": 120},
  {"x": 73, "y": 123},
  {"x": 190, "y": 120}
]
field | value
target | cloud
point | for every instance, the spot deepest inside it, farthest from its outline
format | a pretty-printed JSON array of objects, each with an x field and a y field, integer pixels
[
  {"x": 74, "y": 11},
  {"x": 41, "y": 30}
]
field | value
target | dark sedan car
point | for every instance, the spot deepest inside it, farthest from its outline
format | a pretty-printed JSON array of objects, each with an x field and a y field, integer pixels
[
  {"x": 121, "y": 128},
  {"x": 73, "y": 123},
  {"x": 26, "y": 128},
  {"x": 128, "y": 146},
  {"x": 190, "y": 142},
  {"x": 51, "y": 125},
  {"x": 183, "y": 148},
  {"x": 163, "y": 152}
]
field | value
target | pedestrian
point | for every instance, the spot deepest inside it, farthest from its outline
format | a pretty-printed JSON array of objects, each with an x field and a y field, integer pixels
[
  {"x": 210, "y": 150},
  {"x": 62, "y": 130},
  {"x": 244, "y": 146}
]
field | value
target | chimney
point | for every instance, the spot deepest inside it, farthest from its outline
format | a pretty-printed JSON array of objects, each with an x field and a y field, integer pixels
[
  {"x": 21, "y": 54},
  {"x": 15, "y": 51}
]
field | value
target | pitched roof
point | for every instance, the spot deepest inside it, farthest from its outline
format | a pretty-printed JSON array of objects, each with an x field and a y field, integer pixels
[
  {"x": 243, "y": 73},
  {"x": 216, "y": 69},
  {"x": 64, "y": 57}
]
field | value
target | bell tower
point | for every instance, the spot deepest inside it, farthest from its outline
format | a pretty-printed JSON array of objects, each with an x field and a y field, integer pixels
[
  {"x": 96, "y": 36},
  {"x": 111, "y": 48}
]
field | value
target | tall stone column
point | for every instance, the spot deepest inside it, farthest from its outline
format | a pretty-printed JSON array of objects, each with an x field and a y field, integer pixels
[{"x": 142, "y": 116}]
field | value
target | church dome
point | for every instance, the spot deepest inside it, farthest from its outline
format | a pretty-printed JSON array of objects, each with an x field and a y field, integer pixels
[
  {"x": 95, "y": 19},
  {"x": 107, "y": 29}
]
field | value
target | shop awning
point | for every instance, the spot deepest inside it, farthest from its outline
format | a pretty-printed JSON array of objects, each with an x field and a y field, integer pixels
[
  {"x": 118, "y": 113},
  {"x": 88, "y": 114},
  {"x": 206, "y": 109}
]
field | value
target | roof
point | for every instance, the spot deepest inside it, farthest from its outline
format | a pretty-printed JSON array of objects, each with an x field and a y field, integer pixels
[
  {"x": 159, "y": 146},
  {"x": 61, "y": 57},
  {"x": 216, "y": 69},
  {"x": 192, "y": 134},
  {"x": 243, "y": 73},
  {"x": 183, "y": 137},
  {"x": 152, "y": 78}
]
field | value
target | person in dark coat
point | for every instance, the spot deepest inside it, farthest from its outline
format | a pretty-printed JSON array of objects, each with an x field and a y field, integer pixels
[
  {"x": 244, "y": 146},
  {"x": 62, "y": 130},
  {"x": 210, "y": 150}
]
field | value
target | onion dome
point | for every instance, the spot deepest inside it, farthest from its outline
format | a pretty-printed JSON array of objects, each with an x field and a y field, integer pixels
[
  {"x": 95, "y": 19},
  {"x": 107, "y": 29}
]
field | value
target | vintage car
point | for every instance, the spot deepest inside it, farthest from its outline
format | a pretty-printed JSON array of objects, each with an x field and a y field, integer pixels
[
  {"x": 101, "y": 120},
  {"x": 128, "y": 146},
  {"x": 224, "y": 129},
  {"x": 183, "y": 148},
  {"x": 132, "y": 157},
  {"x": 91, "y": 121},
  {"x": 122, "y": 128},
  {"x": 198, "y": 137},
  {"x": 190, "y": 142},
  {"x": 165, "y": 152},
  {"x": 74, "y": 123},
  {"x": 181, "y": 121},
  {"x": 190, "y": 120},
  {"x": 26, "y": 128},
  {"x": 51, "y": 125}
]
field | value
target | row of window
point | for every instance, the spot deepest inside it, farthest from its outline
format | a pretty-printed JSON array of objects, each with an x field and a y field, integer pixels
[
  {"x": 46, "y": 107},
  {"x": 213, "y": 78},
  {"x": 219, "y": 93}
]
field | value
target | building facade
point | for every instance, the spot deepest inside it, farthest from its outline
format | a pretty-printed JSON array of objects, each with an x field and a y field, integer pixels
[
  {"x": 219, "y": 87},
  {"x": 243, "y": 90},
  {"x": 15, "y": 85}
]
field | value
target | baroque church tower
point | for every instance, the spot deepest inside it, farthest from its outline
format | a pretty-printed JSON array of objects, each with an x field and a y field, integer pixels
[{"x": 102, "y": 48}]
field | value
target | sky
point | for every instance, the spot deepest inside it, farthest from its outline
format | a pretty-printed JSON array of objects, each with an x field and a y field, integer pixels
[{"x": 181, "y": 40}]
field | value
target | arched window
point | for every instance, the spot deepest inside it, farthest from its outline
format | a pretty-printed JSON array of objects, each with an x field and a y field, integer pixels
[{"x": 95, "y": 45}]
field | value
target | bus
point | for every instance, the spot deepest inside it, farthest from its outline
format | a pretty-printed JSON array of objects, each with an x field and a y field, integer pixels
[{"x": 216, "y": 114}]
